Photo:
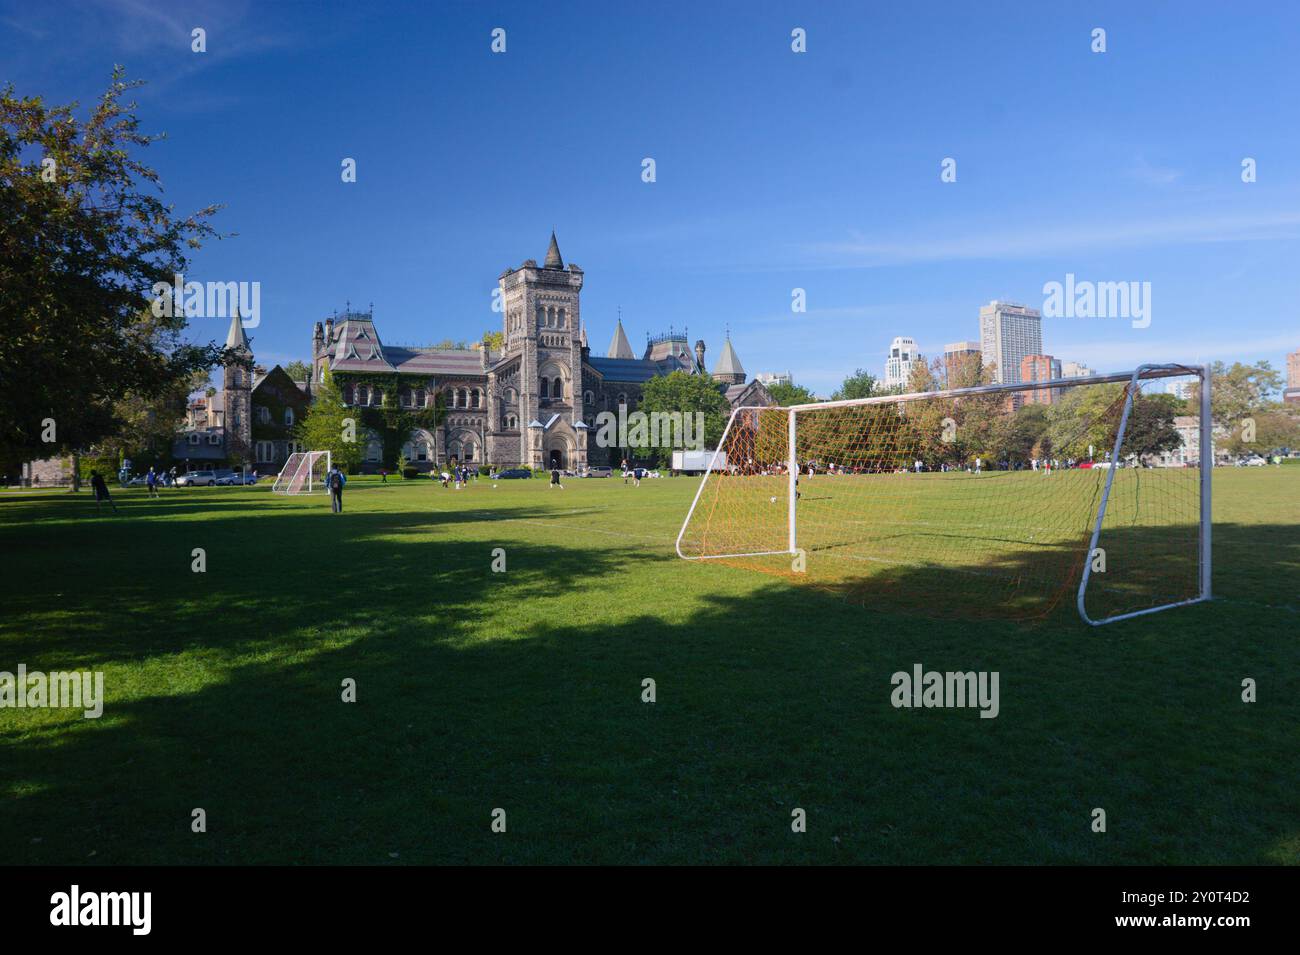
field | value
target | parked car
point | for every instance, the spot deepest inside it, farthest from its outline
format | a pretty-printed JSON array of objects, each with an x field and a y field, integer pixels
[
  {"x": 250, "y": 478},
  {"x": 197, "y": 479},
  {"x": 511, "y": 473},
  {"x": 1254, "y": 461},
  {"x": 600, "y": 472}
]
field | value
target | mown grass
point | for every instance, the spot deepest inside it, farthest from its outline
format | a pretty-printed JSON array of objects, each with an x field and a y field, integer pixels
[{"x": 522, "y": 690}]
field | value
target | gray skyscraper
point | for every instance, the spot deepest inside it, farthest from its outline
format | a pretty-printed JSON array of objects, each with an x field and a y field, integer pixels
[{"x": 1009, "y": 332}]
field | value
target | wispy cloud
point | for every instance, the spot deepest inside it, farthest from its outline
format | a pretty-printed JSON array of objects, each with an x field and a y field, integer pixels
[
  {"x": 1151, "y": 175},
  {"x": 1010, "y": 240}
]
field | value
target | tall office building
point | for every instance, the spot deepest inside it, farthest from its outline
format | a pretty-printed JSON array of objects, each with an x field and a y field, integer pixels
[
  {"x": 959, "y": 357},
  {"x": 1076, "y": 369},
  {"x": 898, "y": 366},
  {"x": 1040, "y": 368},
  {"x": 1009, "y": 332}
]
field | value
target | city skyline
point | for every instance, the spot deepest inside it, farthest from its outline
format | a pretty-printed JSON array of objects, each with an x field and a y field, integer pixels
[{"x": 761, "y": 186}]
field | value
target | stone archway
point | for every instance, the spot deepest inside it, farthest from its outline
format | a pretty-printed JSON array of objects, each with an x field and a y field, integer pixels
[{"x": 557, "y": 451}]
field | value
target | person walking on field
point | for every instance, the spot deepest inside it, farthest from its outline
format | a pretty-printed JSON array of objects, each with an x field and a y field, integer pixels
[
  {"x": 101, "y": 492},
  {"x": 555, "y": 479},
  {"x": 335, "y": 482},
  {"x": 151, "y": 482}
]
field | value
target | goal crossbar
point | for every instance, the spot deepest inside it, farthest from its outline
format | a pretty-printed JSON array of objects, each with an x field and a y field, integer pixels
[{"x": 721, "y": 462}]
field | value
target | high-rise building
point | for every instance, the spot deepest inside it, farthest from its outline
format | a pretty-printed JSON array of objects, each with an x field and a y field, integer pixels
[
  {"x": 1182, "y": 390},
  {"x": 1075, "y": 369},
  {"x": 959, "y": 364},
  {"x": 898, "y": 365},
  {"x": 1040, "y": 368},
  {"x": 1009, "y": 332},
  {"x": 1292, "y": 392},
  {"x": 769, "y": 378}
]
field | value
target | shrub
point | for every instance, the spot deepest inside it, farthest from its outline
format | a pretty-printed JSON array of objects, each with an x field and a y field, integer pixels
[
  {"x": 484, "y": 471},
  {"x": 408, "y": 473}
]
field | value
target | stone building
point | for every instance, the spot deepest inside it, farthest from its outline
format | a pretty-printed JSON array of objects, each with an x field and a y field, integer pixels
[
  {"x": 250, "y": 421},
  {"x": 532, "y": 401}
]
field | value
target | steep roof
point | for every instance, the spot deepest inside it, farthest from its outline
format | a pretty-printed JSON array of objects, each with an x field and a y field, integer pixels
[
  {"x": 553, "y": 259},
  {"x": 236, "y": 337},
  {"x": 729, "y": 363},
  {"x": 357, "y": 347},
  {"x": 619, "y": 347}
]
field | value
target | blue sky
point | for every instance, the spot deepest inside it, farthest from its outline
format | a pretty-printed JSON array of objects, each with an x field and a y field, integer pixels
[{"x": 775, "y": 170}]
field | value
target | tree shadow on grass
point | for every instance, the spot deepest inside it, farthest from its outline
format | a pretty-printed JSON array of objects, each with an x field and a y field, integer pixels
[{"x": 770, "y": 696}]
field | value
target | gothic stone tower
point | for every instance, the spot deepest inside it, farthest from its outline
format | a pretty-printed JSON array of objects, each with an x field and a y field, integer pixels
[
  {"x": 538, "y": 380},
  {"x": 238, "y": 395}
]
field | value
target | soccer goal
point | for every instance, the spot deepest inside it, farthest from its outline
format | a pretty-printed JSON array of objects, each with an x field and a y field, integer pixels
[
  {"x": 303, "y": 473},
  {"x": 996, "y": 500}
]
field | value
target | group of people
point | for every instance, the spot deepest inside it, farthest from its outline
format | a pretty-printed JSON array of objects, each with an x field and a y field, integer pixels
[{"x": 460, "y": 475}]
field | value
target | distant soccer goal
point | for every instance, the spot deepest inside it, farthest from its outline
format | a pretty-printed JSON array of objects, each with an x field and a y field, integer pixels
[
  {"x": 992, "y": 500},
  {"x": 303, "y": 473}
]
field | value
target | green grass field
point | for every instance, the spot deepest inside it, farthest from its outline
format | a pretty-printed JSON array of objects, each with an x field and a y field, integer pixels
[{"x": 522, "y": 690}]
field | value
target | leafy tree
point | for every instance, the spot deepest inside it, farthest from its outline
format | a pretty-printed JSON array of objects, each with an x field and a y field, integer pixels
[
  {"x": 688, "y": 394},
  {"x": 328, "y": 423},
  {"x": 1238, "y": 391},
  {"x": 786, "y": 394},
  {"x": 84, "y": 238},
  {"x": 495, "y": 340},
  {"x": 860, "y": 384},
  {"x": 298, "y": 371},
  {"x": 922, "y": 377},
  {"x": 1151, "y": 428}
]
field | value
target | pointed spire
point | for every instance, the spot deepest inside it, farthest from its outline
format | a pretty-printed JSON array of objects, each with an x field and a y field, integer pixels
[
  {"x": 553, "y": 260},
  {"x": 728, "y": 365},
  {"x": 619, "y": 346},
  {"x": 236, "y": 337}
]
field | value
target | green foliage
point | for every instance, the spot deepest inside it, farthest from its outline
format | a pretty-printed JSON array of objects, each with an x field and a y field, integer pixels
[
  {"x": 323, "y": 427},
  {"x": 1239, "y": 391},
  {"x": 860, "y": 384},
  {"x": 390, "y": 422},
  {"x": 298, "y": 370},
  {"x": 81, "y": 253},
  {"x": 790, "y": 394},
  {"x": 688, "y": 394}
]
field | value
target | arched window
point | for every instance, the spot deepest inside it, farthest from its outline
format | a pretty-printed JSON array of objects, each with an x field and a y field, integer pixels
[
  {"x": 288, "y": 417},
  {"x": 474, "y": 398},
  {"x": 588, "y": 398},
  {"x": 419, "y": 397},
  {"x": 622, "y": 397},
  {"x": 377, "y": 396},
  {"x": 347, "y": 394},
  {"x": 363, "y": 395},
  {"x": 544, "y": 388},
  {"x": 557, "y": 390},
  {"x": 461, "y": 400}
]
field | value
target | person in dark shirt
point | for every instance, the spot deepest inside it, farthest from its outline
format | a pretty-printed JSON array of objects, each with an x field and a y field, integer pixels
[{"x": 101, "y": 492}]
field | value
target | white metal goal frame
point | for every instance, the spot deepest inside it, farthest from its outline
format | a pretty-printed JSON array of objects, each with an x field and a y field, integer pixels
[
  {"x": 1130, "y": 378},
  {"x": 285, "y": 480}
]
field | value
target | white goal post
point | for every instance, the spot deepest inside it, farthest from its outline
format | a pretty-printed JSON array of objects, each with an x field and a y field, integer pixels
[
  {"x": 919, "y": 494},
  {"x": 303, "y": 473}
]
